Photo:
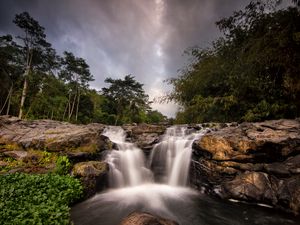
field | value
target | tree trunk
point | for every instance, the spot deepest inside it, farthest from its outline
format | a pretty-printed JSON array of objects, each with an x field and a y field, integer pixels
[
  {"x": 23, "y": 97},
  {"x": 25, "y": 86},
  {"x": 7, "y": 100},
  {"x": 67, "y": 108},
  {"x": 77, "y": 107},
  {"x": 73, "y": 106}
]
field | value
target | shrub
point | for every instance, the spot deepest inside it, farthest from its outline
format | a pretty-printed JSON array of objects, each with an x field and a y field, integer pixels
[
  {"x": 63, "y": 165},
  {"x": 37, "y": 199}
]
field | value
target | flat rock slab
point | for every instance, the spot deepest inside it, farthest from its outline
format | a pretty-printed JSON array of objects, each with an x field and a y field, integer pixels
[{"x": 52, "y": 135}]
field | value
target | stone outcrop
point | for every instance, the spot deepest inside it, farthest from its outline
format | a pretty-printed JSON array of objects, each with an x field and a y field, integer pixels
[
  {"x": 93, "y": 175},
  {"x": 141, "y": 218},
  {"x": 145, "y": 136},
  {"x": 53, "y": 136},
  {"x": 35, "y": 146},
  {"x": 255, "y": 162}
]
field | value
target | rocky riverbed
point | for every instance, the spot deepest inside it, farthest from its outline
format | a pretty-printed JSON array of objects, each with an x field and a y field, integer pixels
[{"x": 251, "y": 162}]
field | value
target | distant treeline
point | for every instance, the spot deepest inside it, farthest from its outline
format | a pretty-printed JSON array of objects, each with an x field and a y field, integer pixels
[
  {"x": 251, "y": 73},
  {"x": 36, "y": 83}
]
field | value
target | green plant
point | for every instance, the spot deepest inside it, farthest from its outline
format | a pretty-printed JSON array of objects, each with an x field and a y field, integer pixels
[
  {"x": 37, "y": 199},
  {"x": 63, "y": 165}
]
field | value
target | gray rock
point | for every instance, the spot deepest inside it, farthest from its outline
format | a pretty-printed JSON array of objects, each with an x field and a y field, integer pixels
[{"x": 53, "y": 135}]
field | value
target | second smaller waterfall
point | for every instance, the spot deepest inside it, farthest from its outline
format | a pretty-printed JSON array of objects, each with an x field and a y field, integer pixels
[{"x": 170, "y": 159}]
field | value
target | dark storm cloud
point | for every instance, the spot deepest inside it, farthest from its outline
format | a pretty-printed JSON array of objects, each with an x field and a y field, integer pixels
[
  {"x": 144, "y": 38},
  {"x": 192, "y": 23}
]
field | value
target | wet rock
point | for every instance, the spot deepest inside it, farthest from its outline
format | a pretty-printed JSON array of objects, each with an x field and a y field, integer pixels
[
  {"x": 255, "y": 162},
  {"x": 93, "y": 175},
  {"x": 141, "y": 218},
  {"x": 145, "y": 136},
  {"x": 253, "y": 186}
]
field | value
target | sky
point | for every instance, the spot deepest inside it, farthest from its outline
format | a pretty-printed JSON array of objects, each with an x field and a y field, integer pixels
[{"x": 144, "y": 38}]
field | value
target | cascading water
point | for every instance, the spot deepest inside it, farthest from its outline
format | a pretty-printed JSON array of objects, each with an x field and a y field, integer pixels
[
  {"x": 157, "y": 186},
  {"x": 171, "y": 157},
  {"x": 127, "y": 165}
]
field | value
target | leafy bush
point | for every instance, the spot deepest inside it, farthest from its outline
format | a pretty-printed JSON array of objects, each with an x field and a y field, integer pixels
[
  {"x": 37, "y": 199},
  {"x": 63, "y": 165}
]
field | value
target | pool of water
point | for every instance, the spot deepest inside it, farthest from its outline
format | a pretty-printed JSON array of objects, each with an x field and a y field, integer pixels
[{"x": 183, "y": 205}]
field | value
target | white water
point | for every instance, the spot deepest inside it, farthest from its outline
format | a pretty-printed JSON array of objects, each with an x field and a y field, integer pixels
[
  {"x": 127, "y": 165},
  {"x": 160, "y": 190},
  {"x": 170, "y": 159},
  {"x": 173, "y": 155},
  {"x": 132, "y": 179}
]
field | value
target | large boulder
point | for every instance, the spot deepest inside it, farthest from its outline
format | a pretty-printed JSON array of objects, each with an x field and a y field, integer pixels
[
  {"x": 142, "y": 218},
  {"x": 52, "y": 136},
  {"x": 266, "y": 142},
  {"x": 255, "y": 162},
  {"x": 93, "y": 175},
  {"x": 145, "y": 136}
]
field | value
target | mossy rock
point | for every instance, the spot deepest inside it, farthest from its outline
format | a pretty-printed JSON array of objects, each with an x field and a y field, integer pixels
[{"x": 90, "y": 169}]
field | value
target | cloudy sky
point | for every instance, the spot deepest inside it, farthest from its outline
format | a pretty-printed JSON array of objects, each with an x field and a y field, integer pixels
[{"x": 145, "y": 38}]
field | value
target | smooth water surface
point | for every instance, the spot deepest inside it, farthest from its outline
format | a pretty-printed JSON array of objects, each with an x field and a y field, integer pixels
[{"x": 183, "y": 205}]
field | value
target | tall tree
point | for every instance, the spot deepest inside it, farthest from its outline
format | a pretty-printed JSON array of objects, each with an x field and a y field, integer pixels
[
  {"x": 9, "y": 70},
  {"x": 75, "y": 72},
  {"x": 127, "y": 96},
  {"x": 34, "y": 43}
]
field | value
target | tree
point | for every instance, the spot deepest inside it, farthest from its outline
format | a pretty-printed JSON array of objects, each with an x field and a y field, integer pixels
[
  {"x": 127, "y": 98},
  {"x": 249, "y": 74},
  {"x": 9, "y": 72},
  {"x": 34, "y": 44},
  {"x": 75, "y": 72}
]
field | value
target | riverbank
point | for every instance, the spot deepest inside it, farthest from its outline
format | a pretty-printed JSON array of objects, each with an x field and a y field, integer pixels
[{"x": 251, "y": 162}]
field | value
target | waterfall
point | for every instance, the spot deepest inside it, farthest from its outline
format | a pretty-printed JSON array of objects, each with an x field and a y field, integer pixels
[
  {"x": 169, "y": 161},
  {"x": 127, "y": 164}
]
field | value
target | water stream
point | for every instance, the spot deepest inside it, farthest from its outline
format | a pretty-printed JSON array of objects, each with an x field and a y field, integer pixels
[{"x": 158, "y": 185}]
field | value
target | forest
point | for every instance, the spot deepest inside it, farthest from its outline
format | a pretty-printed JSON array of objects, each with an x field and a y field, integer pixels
[
  {"x": 37, "y": 83},
  {"x": 250, "y": 73}
]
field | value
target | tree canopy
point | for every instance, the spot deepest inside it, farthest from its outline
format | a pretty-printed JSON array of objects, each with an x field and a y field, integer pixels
[
  {"x": 36, "y": 83},
  {"x": 251, "y": 73},
  {"x": 128, "y": 101}
]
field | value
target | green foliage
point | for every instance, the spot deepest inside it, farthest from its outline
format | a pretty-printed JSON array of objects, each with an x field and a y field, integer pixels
[
  {"x": 127, "y": 99},
  {"x": 250, "y": 74},
  {"x": 37, "y": 199},
  {"x": 57, "y": 87},
  {"x": 153, "y": 116},
  {"x": 63, "y": 165}
]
